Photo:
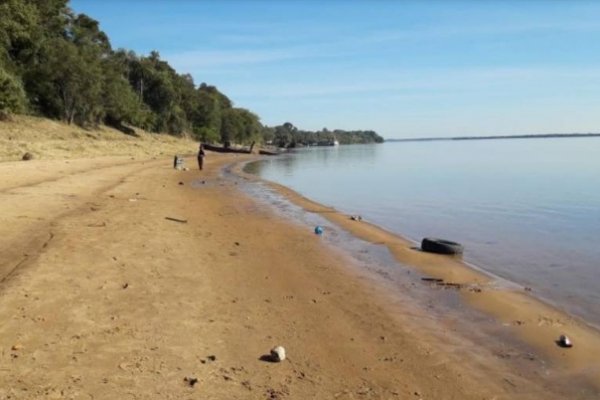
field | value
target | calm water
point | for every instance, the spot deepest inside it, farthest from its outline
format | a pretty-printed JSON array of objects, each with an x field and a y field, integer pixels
[{"x": 526, "y": 210}]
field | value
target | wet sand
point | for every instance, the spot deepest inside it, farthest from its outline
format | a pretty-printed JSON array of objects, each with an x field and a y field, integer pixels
[
  {"x": 536, "y": 323},
  {"x": 102, "y": 296}
]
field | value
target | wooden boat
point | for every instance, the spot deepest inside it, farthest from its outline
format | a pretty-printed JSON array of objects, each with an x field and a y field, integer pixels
[
  {"x": 221, "y": 149},
  {"x": 268, "y": 152}
]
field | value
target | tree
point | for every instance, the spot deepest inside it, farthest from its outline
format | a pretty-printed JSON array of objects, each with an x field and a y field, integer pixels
[
  {"x": 60, "y": 64},
  {"x": 251, "y": 127},
  {"x": 207, "y": 116},
  {"x": 68, "y": 85},
  {"x": 12, "y": 95},
  {"x": 19, "y": 32},
  {"x": 120, "y": 103},
  {"x": 231, "y": 126}
]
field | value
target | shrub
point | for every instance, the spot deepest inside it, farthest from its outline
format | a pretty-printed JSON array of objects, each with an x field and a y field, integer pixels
[{"x": 12, "y": 95}]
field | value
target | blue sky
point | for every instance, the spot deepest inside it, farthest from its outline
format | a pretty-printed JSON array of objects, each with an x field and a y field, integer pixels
[{"x": 402, "y": 68}]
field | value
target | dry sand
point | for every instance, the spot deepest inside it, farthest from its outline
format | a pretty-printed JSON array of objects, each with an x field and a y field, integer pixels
[
  {"x": 48, "y": 139},
  {"x": 103, "y": 297}
]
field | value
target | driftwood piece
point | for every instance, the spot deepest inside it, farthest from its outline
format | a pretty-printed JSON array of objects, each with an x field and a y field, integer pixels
[{"x": 182, "y": 221}]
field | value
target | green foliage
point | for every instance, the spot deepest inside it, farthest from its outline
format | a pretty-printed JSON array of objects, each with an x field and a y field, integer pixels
[
  {"x": 284, "y": 135},
  {"x": 231, "y": 125},
  {"x": 240, "y": 126},
  {"x": 19, "y": 31},
  {"x": 70, "y": 72},
  {"x": 287, "y": 135},
  {"x": 12, "y": 95},
  {"x": 59, "y": 64},
  {"x": 69, "y": 84},
  {"x": 120, "y": 103},
  {"x": 207, "y": 116}
]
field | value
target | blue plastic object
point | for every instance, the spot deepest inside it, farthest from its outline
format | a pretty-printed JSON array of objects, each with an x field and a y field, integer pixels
[{"x": 318, "y": 230}]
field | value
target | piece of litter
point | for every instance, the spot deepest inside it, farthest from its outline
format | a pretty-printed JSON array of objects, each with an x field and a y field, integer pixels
[
  {"x": 432, "y": 279},
  {"x": 132, "y": 199},
  {"x": 183, "y": 221},
  {"x": 98, "y": 225},
  {"x": 356, "y": 218},
  {"x": 318, "y": 230}
]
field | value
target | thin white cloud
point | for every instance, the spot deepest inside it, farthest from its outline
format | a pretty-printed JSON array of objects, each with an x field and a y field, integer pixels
[
  {"x": 425, "y": 82},
  {"x": 195, "y": 60},
  {"x": 475, "y": 30},
  {"x": 200, "y": 59}
]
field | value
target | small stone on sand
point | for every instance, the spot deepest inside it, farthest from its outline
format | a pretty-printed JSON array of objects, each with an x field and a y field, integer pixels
[{"x": 278, "y": 354}]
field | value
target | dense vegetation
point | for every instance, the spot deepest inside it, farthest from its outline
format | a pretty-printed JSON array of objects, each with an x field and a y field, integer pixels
[
  {"x": 59, "y": 64},
  {"x": 287, "y": 135}
]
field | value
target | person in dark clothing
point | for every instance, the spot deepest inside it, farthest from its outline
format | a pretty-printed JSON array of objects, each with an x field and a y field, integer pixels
[{"x": 201, "y": 156}]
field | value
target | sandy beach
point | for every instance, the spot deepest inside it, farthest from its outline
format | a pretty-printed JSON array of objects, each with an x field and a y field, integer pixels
[{"x": 123, "y": 278}]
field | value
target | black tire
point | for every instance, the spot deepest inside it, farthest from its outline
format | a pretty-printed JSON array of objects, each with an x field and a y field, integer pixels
[{"x": 441, "y": 246}]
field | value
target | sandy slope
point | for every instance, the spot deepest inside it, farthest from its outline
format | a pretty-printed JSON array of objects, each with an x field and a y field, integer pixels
[
  {"x": 103, "y": 297},
  {"x": 48, "y": 139}
]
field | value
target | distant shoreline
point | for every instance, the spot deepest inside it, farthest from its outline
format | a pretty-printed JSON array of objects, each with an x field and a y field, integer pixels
[{"x": 543, "y": 136}]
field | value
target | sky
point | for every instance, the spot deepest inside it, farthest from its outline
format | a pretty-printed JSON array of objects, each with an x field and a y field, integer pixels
[{"x": 402, "y": 68}]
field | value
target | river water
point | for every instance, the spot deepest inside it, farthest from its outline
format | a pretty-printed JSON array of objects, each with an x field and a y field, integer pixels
[{"x": 525, "y": 210}]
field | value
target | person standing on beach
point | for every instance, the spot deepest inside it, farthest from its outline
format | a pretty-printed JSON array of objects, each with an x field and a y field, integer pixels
[{"x": 201, "y": 156}]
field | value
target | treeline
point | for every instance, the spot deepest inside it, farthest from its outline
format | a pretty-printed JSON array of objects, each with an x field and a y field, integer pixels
[
  {"x": 60, "y": 65},
  {"x": 287, "y": 135}
]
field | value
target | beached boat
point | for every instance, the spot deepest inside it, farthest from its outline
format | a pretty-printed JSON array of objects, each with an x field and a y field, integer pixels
[
  {"x": 221, "y": 149},
  {"x": 268, "y": 152}
]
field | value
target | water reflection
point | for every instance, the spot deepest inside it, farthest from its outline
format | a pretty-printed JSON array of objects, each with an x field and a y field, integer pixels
[{"x": 317, "y": 158}]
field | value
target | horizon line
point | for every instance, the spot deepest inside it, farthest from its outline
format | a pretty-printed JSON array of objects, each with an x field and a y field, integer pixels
[{"x": 525, "y": 136}]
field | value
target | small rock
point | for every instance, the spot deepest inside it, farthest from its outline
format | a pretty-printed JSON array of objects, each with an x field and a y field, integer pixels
[
  {"x": 190, "y": 381},
  {"x": 278, "y": 354},
  {"x": 564, "y": 341},
  {"x": 181, "y": 183},
  {"x": 27, "y": 156},
  {"x": 16, "y": 347},
  {"x": 211, "y": 358},
  {"x": 125, "y": 285}
]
